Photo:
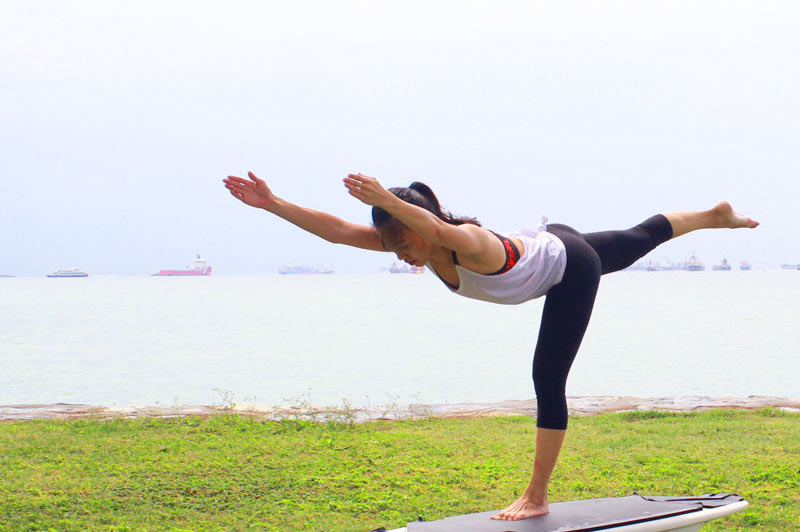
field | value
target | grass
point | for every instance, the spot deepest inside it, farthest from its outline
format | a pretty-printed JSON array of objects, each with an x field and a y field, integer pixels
[{"x": 233, "y": 472}]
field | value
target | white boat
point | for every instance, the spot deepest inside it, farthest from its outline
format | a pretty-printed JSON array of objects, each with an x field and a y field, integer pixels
[
  {"x": 69, "y": 272},
  {"x": 618, "y": 514}
]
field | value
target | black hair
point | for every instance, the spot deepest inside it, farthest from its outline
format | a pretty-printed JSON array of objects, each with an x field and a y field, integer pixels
[{"x": 419, "y": 194}]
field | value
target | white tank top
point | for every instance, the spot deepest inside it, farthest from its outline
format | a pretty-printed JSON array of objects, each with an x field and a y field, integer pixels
[{"x": 540, "y": 267}]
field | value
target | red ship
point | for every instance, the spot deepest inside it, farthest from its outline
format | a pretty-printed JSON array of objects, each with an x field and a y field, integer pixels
[{"x": 198, "y": 267}]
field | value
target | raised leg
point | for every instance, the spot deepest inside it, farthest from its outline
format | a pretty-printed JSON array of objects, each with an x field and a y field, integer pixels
[
  {"x": 619, "y": 249},
  {"x": 721, "y": 216}
]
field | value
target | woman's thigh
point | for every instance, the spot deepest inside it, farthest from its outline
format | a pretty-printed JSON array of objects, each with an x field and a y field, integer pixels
[{"x": 567, "y": 310}]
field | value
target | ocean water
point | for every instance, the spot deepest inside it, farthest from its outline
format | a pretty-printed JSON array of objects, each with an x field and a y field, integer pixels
[{"x": 375, "y": 339}]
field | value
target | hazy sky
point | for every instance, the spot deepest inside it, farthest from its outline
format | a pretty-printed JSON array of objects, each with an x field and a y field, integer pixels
[{"x": 119, "y": 120}]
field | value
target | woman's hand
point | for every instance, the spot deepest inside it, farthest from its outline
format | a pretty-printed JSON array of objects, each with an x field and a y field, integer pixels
[
  {"x": 255, "y": 193},
  {"x": 368, "y": 190}
]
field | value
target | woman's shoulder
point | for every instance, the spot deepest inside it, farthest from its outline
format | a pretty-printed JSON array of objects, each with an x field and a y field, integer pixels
[
  {"x": 472, "y": 228},
  {"x": 479, "y": 233}
]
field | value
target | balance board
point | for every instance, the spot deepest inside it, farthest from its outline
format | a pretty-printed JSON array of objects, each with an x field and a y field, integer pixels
[{"x": 635, "y": 513}]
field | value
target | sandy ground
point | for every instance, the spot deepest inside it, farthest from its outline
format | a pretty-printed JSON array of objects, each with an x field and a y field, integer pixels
[{"x": 577, "y": 406}]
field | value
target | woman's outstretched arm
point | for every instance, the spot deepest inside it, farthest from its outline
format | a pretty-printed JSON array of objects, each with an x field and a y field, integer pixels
[{"x": 256, "y": 193}]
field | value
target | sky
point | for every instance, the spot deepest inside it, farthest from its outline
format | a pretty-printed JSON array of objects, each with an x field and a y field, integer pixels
[{"x": 119, "y": 120}]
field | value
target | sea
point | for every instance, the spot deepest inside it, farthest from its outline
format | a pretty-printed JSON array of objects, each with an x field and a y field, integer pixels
[{"x": 378, "y": 339}]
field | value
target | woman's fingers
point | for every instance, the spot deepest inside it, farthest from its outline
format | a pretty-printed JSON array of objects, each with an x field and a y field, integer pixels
[
  {"x": 254, "y": 178},
  {"x": 361, "y": 178},
  {"x": 236, "y": 189},
  {"x": 240, "y": 186},
  {"x": 238, "y": 180},
  {"x": 354, "y": 190}
]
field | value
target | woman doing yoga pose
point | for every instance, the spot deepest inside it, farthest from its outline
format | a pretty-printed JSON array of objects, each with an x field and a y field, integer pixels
[{"x": 556, "y": 261}]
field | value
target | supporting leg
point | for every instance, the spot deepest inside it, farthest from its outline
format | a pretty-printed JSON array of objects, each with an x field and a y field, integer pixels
[
  {"x": 533, "y": 501},
  {"x": 565, "y": 317}
]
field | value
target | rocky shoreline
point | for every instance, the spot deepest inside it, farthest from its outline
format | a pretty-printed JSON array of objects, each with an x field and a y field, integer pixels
[{"x": 577, "y": 406}]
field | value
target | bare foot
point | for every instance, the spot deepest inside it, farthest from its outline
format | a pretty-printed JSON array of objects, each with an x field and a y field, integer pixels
[
  {"x": 523, "y": 508},
  {"x": 727, "y": 217}
]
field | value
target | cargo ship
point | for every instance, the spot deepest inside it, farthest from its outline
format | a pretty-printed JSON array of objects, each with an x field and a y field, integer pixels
[
  {"x": 69, "y": 272},
  {"x": 723, "y": 266},
  {"x": 292, "y": 269},
  {"x": 694, "y": 264},
  {"x": 199, "y": 267}
]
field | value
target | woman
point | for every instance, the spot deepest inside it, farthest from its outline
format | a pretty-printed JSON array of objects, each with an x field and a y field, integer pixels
[{"x": 555, "y": 261}]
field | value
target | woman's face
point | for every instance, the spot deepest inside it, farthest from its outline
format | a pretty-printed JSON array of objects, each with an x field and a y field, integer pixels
[{"x": 413, "y": 249}]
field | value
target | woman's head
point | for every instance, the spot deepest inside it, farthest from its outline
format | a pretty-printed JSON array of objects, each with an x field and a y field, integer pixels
[{"x": 392, "y": 231}]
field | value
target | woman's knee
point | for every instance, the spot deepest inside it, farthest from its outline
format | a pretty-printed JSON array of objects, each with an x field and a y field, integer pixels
[{"x": 552, "y": 412}]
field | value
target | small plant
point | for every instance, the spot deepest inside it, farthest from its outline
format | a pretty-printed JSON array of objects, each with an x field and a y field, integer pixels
[
  {"x": 345, "y": 415},
  {"x": 301, "y": 409},
  {"x": 251, "y": 410},
  {"x": 420, "y": 410},
  {"x": 392, "y": 408},
  {"x": 226, "y": 398},
  {"x": 176, "y": 409}
]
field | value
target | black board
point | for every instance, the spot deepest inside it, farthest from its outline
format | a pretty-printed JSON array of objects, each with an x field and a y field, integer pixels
[{"x": 581, "y": 516}]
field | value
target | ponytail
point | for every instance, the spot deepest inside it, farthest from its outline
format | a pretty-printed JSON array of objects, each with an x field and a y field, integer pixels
[{"x": 428, "y": 194}]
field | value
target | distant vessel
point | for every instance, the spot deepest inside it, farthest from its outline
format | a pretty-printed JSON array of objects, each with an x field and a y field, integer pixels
[
  {"x": 694, "y": 264},
  {"x": 790, "y": 266},
  {"x": 199, "y": 267},
  {"x": 398, "y": 268},
  {"x": 654, "y": 266},
  {"x": 5, "y": 275},
  {"x": 744, "y": 265},
  {"x": 405, "y": 268},
  {"x": 723, "y": 266},
  {"x": 291, "y": 268},
  {"x": 71, "y": 272}
]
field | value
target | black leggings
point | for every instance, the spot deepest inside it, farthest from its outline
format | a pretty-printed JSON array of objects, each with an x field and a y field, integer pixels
[{"x": 568, "y": 305}]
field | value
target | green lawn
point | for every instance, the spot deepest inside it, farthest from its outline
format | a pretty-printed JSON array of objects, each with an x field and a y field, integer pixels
[{"x": 239, "y": 473}]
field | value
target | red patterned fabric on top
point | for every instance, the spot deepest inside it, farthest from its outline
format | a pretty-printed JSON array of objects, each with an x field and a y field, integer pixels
[{"x": 512, "y": 255}]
